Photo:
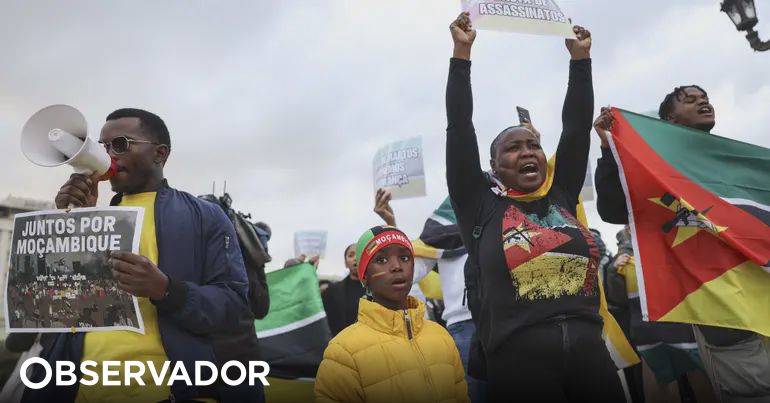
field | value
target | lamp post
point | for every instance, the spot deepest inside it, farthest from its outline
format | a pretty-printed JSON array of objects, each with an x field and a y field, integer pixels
[{"x": 744, "y": 15}]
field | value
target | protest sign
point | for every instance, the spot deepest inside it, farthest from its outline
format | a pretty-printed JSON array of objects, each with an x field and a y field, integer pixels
[
  {"x": 398, "y": 168},
  {"x": 541, "y": 17},
  {"x": 310, "y": 243},
  {"x": 587, "y": 193},
  {"x": 59, "y": 278}
]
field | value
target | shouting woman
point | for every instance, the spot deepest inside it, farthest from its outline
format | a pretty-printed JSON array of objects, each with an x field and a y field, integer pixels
[{"x": 537, "y": 284}]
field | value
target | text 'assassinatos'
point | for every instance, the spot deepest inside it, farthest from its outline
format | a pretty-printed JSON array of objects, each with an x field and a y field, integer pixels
[{"x": 521, "y": 11}]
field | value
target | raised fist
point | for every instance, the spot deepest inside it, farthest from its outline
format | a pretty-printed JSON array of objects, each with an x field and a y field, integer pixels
[
  {"x": 463, "y": 35},
  {"x": 579, "y": 48}
]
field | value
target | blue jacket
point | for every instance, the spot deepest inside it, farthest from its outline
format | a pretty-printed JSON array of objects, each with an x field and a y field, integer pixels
[{"x": 199, "y": 252}]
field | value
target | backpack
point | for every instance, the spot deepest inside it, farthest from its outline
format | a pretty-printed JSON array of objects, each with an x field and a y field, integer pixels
[
  {"x": 477, "y": 362},
  {"x": 252, "y": 238}
]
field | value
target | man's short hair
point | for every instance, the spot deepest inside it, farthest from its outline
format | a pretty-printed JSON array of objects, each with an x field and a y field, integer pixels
[
  {"x": 148, "y": 121},
  {"x": 667, "y": 106}
]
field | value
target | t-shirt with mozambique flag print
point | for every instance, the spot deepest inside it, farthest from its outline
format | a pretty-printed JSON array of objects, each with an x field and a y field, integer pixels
[{"x": 537, "y": 261}]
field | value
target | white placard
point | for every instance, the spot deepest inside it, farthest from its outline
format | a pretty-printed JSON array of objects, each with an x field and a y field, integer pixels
[
  {"x": 540, "y": 17},
  {"x": 310, "y": 243},
  {"x": 398, "y": 168}
]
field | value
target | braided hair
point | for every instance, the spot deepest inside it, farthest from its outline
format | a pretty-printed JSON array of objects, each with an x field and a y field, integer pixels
[{"x": 667, "y": 106}]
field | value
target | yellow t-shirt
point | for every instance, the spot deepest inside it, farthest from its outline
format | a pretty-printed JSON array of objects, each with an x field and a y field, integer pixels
[{"x": 123, "y": 345}]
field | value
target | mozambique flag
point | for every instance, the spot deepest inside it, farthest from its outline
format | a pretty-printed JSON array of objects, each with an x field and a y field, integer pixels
[
  {"x": 699, "y": 208},
  {"x": 294, "y": 334},
  {"x": 440, "y": 237}
]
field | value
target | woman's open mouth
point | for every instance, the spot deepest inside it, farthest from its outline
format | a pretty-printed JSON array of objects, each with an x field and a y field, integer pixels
[{"x": 530, "y": 170}]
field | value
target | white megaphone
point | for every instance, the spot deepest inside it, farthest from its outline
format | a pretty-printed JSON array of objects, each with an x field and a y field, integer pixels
[{"x": 57, "y": 135}]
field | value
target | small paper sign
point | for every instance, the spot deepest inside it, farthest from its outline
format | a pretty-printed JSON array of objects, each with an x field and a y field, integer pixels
[
  {"x": 398, "y": 168},
  {"x": 310, "y": 243}
]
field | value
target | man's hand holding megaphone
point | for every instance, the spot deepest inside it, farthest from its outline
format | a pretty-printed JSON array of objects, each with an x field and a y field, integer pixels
[{"x": 79, "y": 191}]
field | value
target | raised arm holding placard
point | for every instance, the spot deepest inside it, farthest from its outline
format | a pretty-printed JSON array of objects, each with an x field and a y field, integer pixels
[{"x": 531, "y": 277}]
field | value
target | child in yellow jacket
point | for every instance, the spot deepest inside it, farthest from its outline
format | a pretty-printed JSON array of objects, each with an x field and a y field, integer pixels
[{"x": 391, "y": 354}]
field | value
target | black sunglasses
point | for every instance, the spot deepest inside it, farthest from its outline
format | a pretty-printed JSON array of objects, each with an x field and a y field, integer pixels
[{"x": 120, "y": 144}]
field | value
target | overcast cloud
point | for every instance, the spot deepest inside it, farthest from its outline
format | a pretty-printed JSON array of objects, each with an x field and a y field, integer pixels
[{"x": 288, "y": 101}]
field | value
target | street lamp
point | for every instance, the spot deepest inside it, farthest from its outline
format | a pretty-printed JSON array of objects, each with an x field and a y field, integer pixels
[{"x": 744, "y": 16}]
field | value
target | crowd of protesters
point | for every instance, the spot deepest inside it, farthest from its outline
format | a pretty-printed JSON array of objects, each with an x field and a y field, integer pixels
[
  {"x": 543, "y": 317},
  {"x": 90, "y": 302},
  {"x": 514, "y": 325}
]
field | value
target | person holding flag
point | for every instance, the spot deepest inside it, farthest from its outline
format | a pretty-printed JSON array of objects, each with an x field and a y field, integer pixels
[
  {"x": 536, "y": 264},
  {"x": 737, "y": 360}
]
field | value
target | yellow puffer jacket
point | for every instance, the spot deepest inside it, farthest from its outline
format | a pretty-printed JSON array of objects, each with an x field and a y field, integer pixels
[{"x": 391, "y": 356}]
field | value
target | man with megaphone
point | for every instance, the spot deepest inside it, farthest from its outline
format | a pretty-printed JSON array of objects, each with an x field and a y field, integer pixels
[{"x": 189, "y": 278}]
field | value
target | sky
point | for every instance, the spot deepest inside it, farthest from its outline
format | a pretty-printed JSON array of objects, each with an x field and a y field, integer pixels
[{"x": 289, "y": 101}]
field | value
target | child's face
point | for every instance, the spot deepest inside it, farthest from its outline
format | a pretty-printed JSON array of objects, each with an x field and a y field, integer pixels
[{"x": 389, "y": 276}]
